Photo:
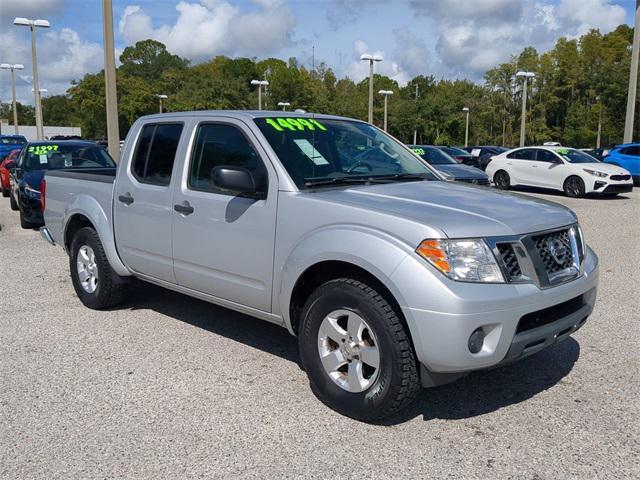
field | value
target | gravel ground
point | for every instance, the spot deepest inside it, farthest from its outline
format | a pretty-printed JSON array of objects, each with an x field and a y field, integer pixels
[{"x": 170, "y": 387}]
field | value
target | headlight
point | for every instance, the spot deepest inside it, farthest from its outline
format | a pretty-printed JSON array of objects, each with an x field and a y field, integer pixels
[
  {"x": 596, "y": 173},
  {"x": 468, "y": 260}
]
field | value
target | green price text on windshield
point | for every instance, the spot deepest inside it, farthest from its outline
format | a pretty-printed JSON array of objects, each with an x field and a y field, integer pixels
[
  {"x": 295, "y": 124},
  {"x": 419, "y": 151},
  {"x": 42, "y": 149}
]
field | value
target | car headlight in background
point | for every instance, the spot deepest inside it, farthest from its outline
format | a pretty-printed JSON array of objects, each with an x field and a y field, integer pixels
[
  {"x": 468, "y": 260},
  {"x": 596, "y": 173}
]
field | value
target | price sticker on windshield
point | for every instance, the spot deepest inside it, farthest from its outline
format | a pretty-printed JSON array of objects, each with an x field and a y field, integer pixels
[
  {"x": 419, "y": 151},
  {"x": 295, "y": 124},
  {"x": 42, "y": 149}
]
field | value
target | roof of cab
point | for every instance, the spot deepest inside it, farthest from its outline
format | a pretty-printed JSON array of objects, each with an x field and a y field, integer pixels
[{"x": 244, "y": 114}]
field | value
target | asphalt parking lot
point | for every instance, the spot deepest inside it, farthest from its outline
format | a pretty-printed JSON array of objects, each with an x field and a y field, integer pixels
[{"x": 171, "y": 387}]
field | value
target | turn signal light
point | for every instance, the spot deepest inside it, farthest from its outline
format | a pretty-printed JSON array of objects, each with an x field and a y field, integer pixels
[{"x": 433, "y": 250}]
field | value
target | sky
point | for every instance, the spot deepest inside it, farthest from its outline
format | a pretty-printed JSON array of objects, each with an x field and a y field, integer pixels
[{"x": 445, "y": 38}]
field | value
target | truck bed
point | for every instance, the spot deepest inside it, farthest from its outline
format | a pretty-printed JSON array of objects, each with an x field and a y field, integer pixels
[{"x": 86, "y": 191}]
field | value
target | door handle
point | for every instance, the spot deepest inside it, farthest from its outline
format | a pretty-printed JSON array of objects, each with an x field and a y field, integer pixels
[
  {"x": 183, "y": 208},
  {"x": 127, "y": 199}
]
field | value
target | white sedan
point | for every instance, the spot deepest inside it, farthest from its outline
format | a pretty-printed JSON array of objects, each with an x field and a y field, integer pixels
[{"x": 559, "y": 168}]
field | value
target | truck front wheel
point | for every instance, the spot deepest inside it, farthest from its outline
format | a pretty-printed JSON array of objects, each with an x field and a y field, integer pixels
[
  {"x": 94, "y": 281},
  {"x": 356, "y": 351}
]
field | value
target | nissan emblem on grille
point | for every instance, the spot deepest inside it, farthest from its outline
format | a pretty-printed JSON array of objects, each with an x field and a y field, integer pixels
[{"x": 557, "y": 250}]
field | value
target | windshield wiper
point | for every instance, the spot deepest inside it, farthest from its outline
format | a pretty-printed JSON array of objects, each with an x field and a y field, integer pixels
[
  {"x": 318, "y": 181},
  {"x": 402, "y": 176}
]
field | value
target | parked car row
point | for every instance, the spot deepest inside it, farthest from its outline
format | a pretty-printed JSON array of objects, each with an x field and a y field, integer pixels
[{"x": 575, "y": 172}]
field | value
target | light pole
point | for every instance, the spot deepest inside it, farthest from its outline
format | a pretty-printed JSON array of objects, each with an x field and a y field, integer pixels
[
  {"x": 415, "y": 130},
  {"x": 466, "y": 129},
  {"x": 111, "y": 100},
  {"x": 284, "y": 105},
  {"x": 599, "y": 122},
  {"x": 32, "y": 24},
  {"x": 260, "y": 84},
  {"x": 385, "y": 94},
  {"x": 371, "y": 59},
  {"x": 523, "y": 119},
  {"x": 160, "y": 98},
  {"x": 633, "y": 80},
  {"x": 13, "y": 68}
]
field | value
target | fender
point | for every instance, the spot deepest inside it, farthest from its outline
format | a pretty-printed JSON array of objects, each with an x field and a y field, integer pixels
[
  {"x": 89, "y": 207},
  {"x": 355, "y": 244}
]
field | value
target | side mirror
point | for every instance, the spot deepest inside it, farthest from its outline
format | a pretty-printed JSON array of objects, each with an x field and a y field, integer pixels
[{"x": 235, "y": 179}]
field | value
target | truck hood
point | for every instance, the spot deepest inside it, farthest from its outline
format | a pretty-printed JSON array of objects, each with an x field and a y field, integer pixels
[
  {"x": 461, "y": 171},
  {"x": 459, "y": 211}
]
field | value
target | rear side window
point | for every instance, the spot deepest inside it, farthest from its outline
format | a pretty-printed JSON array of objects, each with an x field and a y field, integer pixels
[
  {"x": 524, "y": 154},
  {"x": 223, "y": 145},
  {"x": 156, "y": 152},
  {"x": 635, "y": 151}
]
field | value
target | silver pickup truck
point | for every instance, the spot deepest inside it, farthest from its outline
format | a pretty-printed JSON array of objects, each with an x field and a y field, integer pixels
[{"x": 390, "y": 277}]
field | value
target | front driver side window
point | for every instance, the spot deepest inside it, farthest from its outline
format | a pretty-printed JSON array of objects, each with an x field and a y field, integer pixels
[{"x": 219, "y": 145}]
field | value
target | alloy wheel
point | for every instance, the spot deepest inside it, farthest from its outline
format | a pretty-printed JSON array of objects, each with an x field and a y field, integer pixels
[{"x": 87, "y": 269}]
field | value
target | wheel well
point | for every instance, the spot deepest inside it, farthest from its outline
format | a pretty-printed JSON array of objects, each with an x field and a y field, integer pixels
[
  {"x": 322, "y": 272},
  {"x": 75, "y": 223},
  {"x": 572, "y": 176}
]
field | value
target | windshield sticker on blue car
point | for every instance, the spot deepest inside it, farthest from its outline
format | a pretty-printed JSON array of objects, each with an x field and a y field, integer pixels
[
  {"x": 419, "y": 151},
  {"x": 295, "y": 124},
  {"x": 42, "y": 149}
]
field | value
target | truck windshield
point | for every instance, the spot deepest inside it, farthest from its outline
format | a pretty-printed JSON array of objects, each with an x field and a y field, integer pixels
[
  {"x": 319, "y": 152},
  {"x": 434, "y": 156},
  {"x": 56, "y": 156}
]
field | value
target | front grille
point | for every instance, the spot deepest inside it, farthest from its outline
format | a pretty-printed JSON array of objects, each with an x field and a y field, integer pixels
[
  {"x": 555, "y": 250},
  {"x": 475, "y": 181},
  {"x": 551, "y": 314},
  {"x": 620, "y": 178},
  {"x": 509, "y": 261}
]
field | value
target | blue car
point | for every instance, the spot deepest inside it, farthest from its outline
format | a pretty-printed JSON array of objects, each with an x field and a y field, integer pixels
[
  {"x": 8, "y": 143},
  {"x": 448, "y": 167},
  {"x": 36, "y": 158},
  {"x": 626, "y": 156}
]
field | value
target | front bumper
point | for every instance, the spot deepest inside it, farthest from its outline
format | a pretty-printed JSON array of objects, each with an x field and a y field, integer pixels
[
  {"x": 611, "y": 186},
  {"x": 443, "y": 316}
]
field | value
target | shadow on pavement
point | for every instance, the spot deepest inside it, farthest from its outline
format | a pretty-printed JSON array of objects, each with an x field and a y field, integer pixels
[
  {"x": 479, "y": 393},
  {"x": 558, "y": 193}
]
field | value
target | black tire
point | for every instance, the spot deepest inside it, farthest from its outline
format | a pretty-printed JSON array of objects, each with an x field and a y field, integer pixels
[
  {"x": 5, "y": 192},
  {"x": 502, "y": 180},
  {"x": 397, "y": 382},
  {"x": 13, "y": 204},
  {"x": 111, "y": 288},
  {"x": 25, "y": 224},
  {"x": 574, "y": 187}
]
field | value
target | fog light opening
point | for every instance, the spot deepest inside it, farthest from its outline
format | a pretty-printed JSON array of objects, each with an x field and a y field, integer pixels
[{"x": 476, "y": 341}]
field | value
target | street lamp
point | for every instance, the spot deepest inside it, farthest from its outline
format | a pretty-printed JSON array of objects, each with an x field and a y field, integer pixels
[
  {"x": 466, "y": 130},
  {"x": 633, "y": 79},
  {"x": 32, "y": 24},
  {"x": 385, "y": 94},
  {"x": 526, "y": 76},
  {"x": 260, "y": 84},
  {"x": 13, "y": 68},
  {"x": 371, "y": 59},
  {"x": 284, "y": 105},
  {"x": 599, "y": 122},
  {"x": 160, "y": 98}
]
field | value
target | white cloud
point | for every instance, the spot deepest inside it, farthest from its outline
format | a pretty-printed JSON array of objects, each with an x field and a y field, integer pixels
[
  {"x": 359, "y": 69},
  {"x": 27, "y": 8},
  {"x": 211, "y": 27},
  {"x": 474, "y": 36},
  {"x": 62, "y": 57}
]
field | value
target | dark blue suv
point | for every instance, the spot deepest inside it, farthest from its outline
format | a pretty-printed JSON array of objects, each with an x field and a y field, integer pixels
[{"x": 626, "y": 156}]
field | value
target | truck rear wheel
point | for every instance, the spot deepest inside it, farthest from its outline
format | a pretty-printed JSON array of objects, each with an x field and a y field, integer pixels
[
  {"x": 356, "y": 351},
  {"x": 94, "y": 281}
]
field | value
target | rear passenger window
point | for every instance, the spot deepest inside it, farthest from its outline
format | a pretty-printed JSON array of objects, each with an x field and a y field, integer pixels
[
  {"x": 524, "y": 154},
  {"x": 635, "y": 151},
  {"x": 217, "y": 145},
  {"x": 156, "y": 152}
]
